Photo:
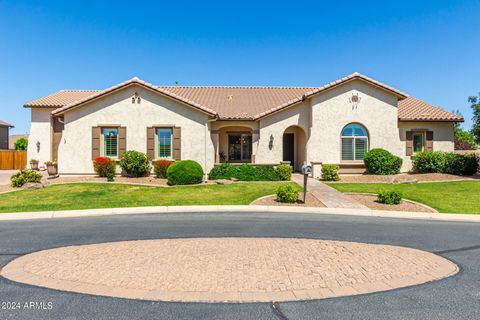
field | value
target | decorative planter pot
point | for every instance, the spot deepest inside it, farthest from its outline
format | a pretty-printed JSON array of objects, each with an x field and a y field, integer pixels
[
  {"x": 34, "y": 165},
  {"x": 52, "y": 169}
]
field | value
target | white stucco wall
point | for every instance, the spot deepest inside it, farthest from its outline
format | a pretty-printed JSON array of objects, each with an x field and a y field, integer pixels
[
  {"x": 39, "y": 132},
  {"x": 117, "y": 109}
]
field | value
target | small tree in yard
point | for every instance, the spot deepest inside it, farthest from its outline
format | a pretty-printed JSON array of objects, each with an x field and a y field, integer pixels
[
  {"x": 475, "y": 105},
  {"x": 21, "y": 144},
  {"x": 463, "y": 139}
]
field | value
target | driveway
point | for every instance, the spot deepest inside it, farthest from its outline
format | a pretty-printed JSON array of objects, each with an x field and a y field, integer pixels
[
  {"x": 456, "y": 297},
  {"x": 5, "y": 176}
]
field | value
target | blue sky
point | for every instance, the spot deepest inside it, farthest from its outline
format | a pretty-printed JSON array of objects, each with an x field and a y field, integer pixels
[{"x": 429, "y": 49}]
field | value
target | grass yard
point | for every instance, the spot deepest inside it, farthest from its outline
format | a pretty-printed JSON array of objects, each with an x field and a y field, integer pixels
[
  {"x": 96, "y": 195},
  {"x": 447, "y": 197}
]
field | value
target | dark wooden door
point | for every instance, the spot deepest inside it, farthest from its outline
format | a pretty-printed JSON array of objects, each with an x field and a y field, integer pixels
[{"x": 288, "y": 148}]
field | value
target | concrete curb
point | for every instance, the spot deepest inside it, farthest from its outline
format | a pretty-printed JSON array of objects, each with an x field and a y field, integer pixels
[{"x": 234, "y": 208}]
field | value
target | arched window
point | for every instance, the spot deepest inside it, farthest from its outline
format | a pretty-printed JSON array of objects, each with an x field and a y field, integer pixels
[{"x": 354, "y": 142}]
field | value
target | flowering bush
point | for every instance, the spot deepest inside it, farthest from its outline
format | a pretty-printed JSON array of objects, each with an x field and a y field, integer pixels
[
  {"x": 135, "y": 164},
  {"x": 429, "y": 161},
  {"x": 103, "y": 166},
  {"x": 160, "y": 168}
]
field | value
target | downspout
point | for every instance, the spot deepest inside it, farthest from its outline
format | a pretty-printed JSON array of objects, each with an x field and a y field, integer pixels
[{"x": 205, "y": 177}]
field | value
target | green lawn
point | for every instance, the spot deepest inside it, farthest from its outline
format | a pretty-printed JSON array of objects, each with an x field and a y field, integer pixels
[
  {"x": 96, "y": 195},
  {"x": 447, "y": 197}
]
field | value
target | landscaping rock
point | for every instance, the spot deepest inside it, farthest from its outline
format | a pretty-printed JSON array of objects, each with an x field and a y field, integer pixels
[
  {"x": 223, "y": 181},
  {"x": 32, "y": 186},
  {"x": 410, "y": 181},
  {"x": 233, "y": 179}
]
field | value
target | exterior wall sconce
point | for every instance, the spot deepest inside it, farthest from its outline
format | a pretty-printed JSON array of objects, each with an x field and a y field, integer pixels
[
  {"x": 270, "y": 143},
  {"x": 354, "y": 100},
  {"x": 38, "y": 146}
]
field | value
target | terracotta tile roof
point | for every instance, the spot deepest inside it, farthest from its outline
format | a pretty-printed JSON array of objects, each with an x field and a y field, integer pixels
[
  {"x": 413, "y": 109},
  {"x": 5, "y": 124},
  {"x": 245, "y": 103},
  {"x": 239, "y": 102},
  {"x": 61, "y": 98},
  {"x": 127, "y": 83}
]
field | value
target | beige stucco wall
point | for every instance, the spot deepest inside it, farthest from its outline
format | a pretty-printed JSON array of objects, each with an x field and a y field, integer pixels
[
  {"x": 443, "y": 137},
  {"x": 275, "y": 126},
  {"x": 39, "y": 132},
  {"x": 332, "y": 111},
  {"x": 117, "y": 109}
]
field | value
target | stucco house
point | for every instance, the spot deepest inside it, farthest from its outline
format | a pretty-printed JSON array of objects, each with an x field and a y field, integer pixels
[{"x": 334, "y": 123}]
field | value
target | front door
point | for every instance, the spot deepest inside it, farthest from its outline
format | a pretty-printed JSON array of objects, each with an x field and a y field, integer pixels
[{"x": 288, "y": 148}]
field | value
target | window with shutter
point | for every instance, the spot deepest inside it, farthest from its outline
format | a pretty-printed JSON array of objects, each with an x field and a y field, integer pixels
[{"x": 354, "y": 139}]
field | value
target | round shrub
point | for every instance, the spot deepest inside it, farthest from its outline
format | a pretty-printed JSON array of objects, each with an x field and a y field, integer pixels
[
  {"x": 24, "y": 176},
  {"x": 330, "y": 172},
  {"x": 184, "y": 172},
  {"x": 429, "y": 161},
  {"x": 135, "y": 164},
  {"x": 380, "y": 161},
  {"x": 103, "y": 166},
  {"x": 389, "y": 197},
  {"x": 284, "y": 172},
  {"x": 160, "y": 168},
  {"x": 287, "y": 194},
  {"x": 20, "y": 144}
]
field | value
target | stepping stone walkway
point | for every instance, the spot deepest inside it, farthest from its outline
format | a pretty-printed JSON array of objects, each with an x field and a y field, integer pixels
[{"x": 330, "y": 197}]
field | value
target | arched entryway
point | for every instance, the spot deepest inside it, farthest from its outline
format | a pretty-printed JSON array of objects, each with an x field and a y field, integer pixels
[{"x": 294, "y": 146}]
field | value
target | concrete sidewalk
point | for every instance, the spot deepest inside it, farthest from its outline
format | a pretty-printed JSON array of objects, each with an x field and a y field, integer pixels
[
  {"x": 330, "y": 197},
  {"x": 238, "y": 209}
]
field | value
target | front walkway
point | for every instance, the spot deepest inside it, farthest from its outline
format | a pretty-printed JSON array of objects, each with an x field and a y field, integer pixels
[{"x": 330, "y": 197}]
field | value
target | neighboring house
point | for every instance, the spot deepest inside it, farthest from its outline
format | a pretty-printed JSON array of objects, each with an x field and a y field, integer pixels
[
  {"x": 4, "y": 129},
  {"x": 14, "y": 137},
  {"x": 335, "y": 123}
]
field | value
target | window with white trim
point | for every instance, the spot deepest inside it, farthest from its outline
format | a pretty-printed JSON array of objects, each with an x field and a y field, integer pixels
[
  {"x": 110, "y": 142},
  {"x": 354, "y": 142},
  {"x": 164, "y": 142},
  {"x": 418, "y": 142}
]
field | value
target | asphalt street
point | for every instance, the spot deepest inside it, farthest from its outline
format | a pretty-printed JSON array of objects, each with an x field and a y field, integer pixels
[{"x": 457, "y": 297}]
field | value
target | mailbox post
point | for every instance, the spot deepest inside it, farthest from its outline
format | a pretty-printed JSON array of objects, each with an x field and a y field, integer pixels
[{"x": 306, "y": 171}]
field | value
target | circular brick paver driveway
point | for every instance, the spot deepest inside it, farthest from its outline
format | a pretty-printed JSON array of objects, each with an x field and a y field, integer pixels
[{"x": 228, "y": 269}]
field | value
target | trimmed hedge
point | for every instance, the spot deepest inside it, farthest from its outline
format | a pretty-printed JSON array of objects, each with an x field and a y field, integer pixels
[
  {"x": 287, "y": 194},
  {"x": 284, "y": 172},
  {"x": 429, "y": 161},
  {"x": 244, "y": 172},
  {"x": 330, "y": 172},
  {"x": 184, "y": 172},
  {"x": 380, "y": 161},
  {"x": 445, "y": 162}
]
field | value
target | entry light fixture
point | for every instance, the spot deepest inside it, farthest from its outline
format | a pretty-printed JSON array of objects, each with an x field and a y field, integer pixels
[{"x": 270, "y": 143}]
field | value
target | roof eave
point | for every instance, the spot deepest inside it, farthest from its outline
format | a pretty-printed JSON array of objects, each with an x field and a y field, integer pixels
[{"x": 430, "y": 120}]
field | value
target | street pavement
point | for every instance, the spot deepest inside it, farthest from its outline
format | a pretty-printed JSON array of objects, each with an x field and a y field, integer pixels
[{"x": 457, "y": 297}]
